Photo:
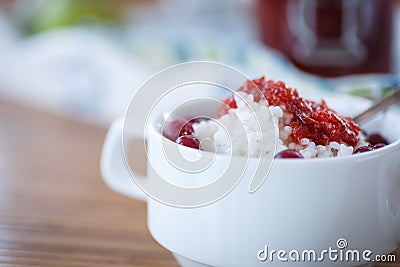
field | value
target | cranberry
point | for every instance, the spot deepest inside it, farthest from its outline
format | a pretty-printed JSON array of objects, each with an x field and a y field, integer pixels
[
  {"x": 289, "y": 154},
  {"x": 187, "y": 129},
  {"x": 198, "y": 119},
  {"x": 376, "y": 138},
  {"x": 363, "y": 149},
  {"x": 189, "y": 141},
  {"x": 380, "y": 145},
  {"x": 178, "y": 127}
]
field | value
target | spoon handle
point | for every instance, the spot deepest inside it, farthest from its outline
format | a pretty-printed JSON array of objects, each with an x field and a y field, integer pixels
[{"x": 379, "y": 105}]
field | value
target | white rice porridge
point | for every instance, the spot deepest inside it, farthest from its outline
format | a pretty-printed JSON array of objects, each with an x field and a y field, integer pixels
[{"x": 258, "y": 137}]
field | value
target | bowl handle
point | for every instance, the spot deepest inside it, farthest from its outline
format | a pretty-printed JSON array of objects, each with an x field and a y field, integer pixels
[{"x": 113, "y": 166}]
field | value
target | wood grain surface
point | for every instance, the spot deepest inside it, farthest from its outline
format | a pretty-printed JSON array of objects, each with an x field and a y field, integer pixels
[{"x": 55, "y": 209}]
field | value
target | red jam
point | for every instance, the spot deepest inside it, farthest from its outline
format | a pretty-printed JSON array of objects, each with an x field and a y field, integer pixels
[{"x": 312, "y": 120}]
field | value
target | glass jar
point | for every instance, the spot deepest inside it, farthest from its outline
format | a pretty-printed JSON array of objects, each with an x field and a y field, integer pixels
[{"x": 330, "y": 37}]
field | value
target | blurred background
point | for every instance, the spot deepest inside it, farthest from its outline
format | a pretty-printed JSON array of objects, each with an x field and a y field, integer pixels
[{"x": 85, "y": 58}]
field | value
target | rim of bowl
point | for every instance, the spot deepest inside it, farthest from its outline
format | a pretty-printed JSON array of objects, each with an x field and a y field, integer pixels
[{"x": 374, "y": 153}]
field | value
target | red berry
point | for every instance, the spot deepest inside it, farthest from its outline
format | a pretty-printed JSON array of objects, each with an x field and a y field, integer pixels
[
  {"x": 376, "y": 138},
  {"x": 363, "y": 149},
  {"x": 380, "y": 145},
  {"x": 189, "y": 141},
  {"x": 178, "y": 127},
  {"x": 187, "y": 129},
  {"x": 289, "y": 154},
  {"x": 198, "y": 119}
]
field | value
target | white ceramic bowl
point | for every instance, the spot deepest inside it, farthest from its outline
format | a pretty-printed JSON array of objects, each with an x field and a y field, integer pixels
[{"x": 303, "y": 205}]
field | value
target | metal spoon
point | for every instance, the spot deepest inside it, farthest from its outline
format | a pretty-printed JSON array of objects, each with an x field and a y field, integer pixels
[{"x": 379, "y": 105}]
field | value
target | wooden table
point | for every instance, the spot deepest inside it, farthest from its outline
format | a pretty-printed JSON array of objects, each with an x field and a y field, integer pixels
[{"x": 55, "y": 209}]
